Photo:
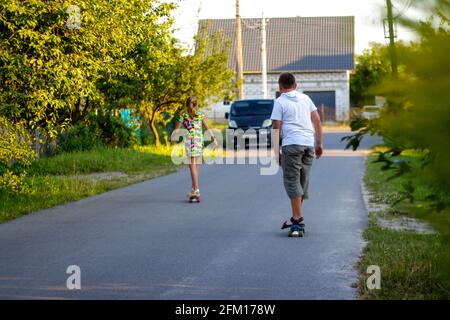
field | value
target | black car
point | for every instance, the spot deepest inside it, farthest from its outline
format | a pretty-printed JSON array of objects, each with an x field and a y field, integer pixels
[{"x": 249, "y": 122}]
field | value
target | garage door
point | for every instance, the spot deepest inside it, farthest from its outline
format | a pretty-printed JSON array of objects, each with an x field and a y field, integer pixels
[{"x": 325, "y": 102}]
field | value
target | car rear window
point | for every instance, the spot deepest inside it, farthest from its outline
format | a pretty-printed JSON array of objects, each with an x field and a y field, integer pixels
[{"x": 252, "y": 108}]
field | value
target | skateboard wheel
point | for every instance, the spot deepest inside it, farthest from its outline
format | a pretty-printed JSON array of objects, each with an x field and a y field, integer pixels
[{"x": 296, "y": 232}]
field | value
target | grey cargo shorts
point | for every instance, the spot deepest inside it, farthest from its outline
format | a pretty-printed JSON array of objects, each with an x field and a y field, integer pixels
[{"x": 296, "y": 162}]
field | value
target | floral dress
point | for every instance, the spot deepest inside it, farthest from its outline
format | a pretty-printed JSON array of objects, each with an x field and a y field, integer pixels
[{"x": 194, "y": 145}]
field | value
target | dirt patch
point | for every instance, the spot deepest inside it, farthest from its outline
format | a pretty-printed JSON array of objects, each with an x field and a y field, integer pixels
[
  {"x": 106, "y": 175},
  {"x": 405, "y": 223},
  {"x": 394, "y": 223}
]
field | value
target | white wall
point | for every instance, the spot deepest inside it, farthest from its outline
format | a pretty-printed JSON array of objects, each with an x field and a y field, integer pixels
[
  {"x": 320, "y": 81},
  {"x": 216, "y": 112}
]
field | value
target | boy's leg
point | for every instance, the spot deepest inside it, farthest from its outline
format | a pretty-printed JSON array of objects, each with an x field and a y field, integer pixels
[
  {"x": 291, "y": 163},
  {"x": 296, "y": 205},
  {"x": 306, "y": 163}
]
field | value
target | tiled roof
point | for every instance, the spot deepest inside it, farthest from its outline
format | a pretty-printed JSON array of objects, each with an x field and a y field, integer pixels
[{"x": 293, "y": 44}]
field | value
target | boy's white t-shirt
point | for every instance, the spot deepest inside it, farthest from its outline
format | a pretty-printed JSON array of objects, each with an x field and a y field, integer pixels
[{"x": 294, "y": 109}]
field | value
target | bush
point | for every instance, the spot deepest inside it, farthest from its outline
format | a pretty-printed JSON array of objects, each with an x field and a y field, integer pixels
[
  {"x": 111, "y": 130},
  {"x": 15, "y": 151},
  {"x": 145, "y": 134},
  {"x": 417, "y": 115},
  {"x": 78, "y": 138},
  {"x": 103, "y": 129},
  {"x": 11, "y": 182},
  {"x": 15, "y": 144}
]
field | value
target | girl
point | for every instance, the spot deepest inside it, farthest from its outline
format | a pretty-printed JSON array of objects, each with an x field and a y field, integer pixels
[{"x": 193, "y": 121}]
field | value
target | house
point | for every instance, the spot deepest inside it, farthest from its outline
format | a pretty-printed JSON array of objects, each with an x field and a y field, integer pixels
[{"x": 319, "y": 51}]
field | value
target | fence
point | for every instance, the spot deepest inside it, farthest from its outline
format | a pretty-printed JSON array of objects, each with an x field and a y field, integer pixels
[
  {"x": 217, "y": 115},
  {"x": 327, "y": 114}
]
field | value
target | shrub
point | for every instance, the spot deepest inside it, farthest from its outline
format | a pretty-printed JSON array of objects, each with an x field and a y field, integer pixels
[
  {"x": 103, "y": 129},
  {"x": 15, "y": 144},
  {"x": 112, "y": 130},
  {"x": 11, "y": 182},
  {"x": 145, "y": 134},
  {"x": 78, "y": 138},
  {"x": 15, "y": 149},
  {"x": 417, "y": 116}
]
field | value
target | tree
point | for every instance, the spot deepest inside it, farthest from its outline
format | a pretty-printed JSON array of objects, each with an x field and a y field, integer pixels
[
  {"x": 168, "y": 75},
  {"x": 55, "y": 69},
  {"x": 51, "y": 71},
  {"x": 417, "y": 116},
  {"x": 372, "y": 66}
]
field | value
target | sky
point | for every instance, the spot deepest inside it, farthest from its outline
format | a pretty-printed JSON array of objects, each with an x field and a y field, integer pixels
[{"x": 368, "y": 15}]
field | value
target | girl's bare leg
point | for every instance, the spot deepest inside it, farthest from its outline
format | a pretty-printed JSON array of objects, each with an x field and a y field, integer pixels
[
  {"x": 194, "y": 176},
  {"x": 198, "y": 173},
  {"x": 194, "y": 167}
]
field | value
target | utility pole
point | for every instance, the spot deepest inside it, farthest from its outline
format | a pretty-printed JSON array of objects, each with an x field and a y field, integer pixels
[
  {"x": 392, "y": 48},
  {"x": 239, "y": 60},
  {"x": 264, "y": 57}
]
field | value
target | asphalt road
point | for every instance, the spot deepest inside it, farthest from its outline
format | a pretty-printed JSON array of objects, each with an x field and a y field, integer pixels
[{"x": 146, "y": 242}]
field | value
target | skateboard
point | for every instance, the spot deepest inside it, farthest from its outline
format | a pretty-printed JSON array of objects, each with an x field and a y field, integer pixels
[
  {"x": 194, "y": 198},
  {"x": 296, "y": 231}
]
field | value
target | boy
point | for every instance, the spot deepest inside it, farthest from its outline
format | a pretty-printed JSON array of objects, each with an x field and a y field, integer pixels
[{"x": 296, "y": 116}]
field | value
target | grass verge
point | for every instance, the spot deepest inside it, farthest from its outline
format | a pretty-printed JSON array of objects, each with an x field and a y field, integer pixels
[
  {"x": 413, "y": 265},
  {"x": 72, "y": 176}
]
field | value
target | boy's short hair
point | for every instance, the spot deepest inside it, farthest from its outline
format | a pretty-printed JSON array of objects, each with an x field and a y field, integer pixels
[{"x": 286, "y": 80}]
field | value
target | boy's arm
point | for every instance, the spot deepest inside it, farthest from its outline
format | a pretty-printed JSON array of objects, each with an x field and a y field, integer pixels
[
  {"x": 277, "y": 117},
  {"x": 315, "y": 118},
  {"x": 276, "y": 129}
]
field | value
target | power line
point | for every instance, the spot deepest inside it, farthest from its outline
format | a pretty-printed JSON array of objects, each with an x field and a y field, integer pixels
[
  {"x": 257, "y": 26},
  {"x": 253, "y": 27},
  {"x": 405, "y": 8},
  {"x": 312, "y": 24},
  {"x": 199, "y": 10}
]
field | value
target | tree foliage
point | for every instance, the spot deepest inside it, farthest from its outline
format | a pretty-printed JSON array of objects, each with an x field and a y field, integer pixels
[
  {"x": 14, "y": 149},
  {"x": 164, "y": 84},
  {"x": 50, "y": 73},
  {"x": 417, "y": 116},
  {"x": 15, "y": 144},
  {"x": 371, "y": 67},
  {"x": 122, "y": 54}
]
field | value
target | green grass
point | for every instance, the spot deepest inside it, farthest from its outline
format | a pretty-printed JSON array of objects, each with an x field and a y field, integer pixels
[
  {"x": 139, "y": 159},
  {"x": 218, "y": 126},
  {"x": 72, "y": 176},
  {"x": 413, "y": 265}
]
